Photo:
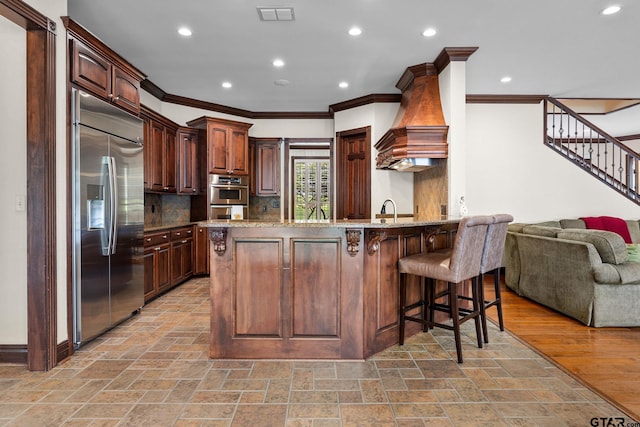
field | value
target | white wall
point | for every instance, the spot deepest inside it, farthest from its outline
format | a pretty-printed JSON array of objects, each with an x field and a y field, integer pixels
[
  {"x": 452, "y": 83},
  {"x": 13, "y": 172},
  {"x": 262, "y": 128},
  {"x": 510, "y": 170}
]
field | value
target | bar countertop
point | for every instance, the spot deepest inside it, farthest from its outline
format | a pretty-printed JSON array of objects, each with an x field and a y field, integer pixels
[{"x": 341, "y": 223}]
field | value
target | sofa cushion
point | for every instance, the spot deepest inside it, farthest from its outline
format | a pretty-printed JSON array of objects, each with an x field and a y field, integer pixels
[
  {"x": 628, "y": 272},
  {"x": 609, "y": 245},
  {"x": 541, "y": 230},
  {"x": 633, "y": 252},
  {"x": 634, "y": 230},
  {"x": 516, "y": 227},
  {"x": 573, "y": 223},
  {"x": 552, "y": 223}
]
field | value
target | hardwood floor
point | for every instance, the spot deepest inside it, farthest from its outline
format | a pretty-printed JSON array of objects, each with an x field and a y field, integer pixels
[{"x": 605, "y": 359}]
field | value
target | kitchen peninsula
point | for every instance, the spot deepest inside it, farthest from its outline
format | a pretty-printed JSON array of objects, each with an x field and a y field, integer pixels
[{"x": 312, "y": 290}]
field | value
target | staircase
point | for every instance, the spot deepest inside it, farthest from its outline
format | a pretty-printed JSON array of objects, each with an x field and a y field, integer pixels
[{"x": 593, "y": 150}]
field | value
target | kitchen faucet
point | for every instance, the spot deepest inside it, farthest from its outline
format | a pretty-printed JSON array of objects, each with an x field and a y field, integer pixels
[{"x": 395, "y": 209}]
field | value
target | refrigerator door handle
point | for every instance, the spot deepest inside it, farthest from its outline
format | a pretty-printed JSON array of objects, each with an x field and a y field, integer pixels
[
  {"x": 113, "y": 194},
  {"x": 105, "y": 183}
]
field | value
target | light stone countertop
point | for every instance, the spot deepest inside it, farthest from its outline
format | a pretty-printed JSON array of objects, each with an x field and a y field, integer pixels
[{"x": 343, "y": 223}]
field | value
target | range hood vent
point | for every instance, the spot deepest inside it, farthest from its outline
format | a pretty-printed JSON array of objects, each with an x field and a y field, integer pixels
[{"x": 418, "y": 136}]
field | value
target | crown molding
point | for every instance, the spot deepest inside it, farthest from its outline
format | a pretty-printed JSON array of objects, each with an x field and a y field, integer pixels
[
  {"x": 364, "y": 100},
  {"x": 505, "y": 99}
]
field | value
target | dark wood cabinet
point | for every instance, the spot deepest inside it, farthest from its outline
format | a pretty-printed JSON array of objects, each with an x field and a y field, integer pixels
[
  {"x": 266, "y": 166},
  {"x": 98, "y": 75},
  {"x": 168, "y": 259},
  {"x": 188, "y": 171},
  {"x": 160, "y": 153},
  {"x": 181, "y": 254},
  {"x": 201, "y": 256},
  {"x": 227, "y": 145},
  {"x": 156, "y": 263}
]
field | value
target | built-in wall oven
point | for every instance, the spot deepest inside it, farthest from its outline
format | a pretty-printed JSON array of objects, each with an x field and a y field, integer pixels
[{"x": 228, "y": 197}]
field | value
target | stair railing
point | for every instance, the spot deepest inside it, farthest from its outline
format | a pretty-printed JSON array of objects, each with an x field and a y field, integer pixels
[{"x": 592, "y": 149}]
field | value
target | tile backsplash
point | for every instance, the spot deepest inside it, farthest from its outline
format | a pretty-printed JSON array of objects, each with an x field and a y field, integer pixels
[{"x": 166, "y": 209}]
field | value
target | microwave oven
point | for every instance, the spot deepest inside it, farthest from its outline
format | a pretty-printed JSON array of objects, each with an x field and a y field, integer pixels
[{"x": 228, "y": 190}]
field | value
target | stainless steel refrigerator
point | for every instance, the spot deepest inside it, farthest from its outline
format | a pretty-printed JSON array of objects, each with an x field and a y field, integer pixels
[{"x": 108, "y": 216}]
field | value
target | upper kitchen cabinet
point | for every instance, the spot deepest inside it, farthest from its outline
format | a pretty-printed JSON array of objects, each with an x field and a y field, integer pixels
[
  {"x": 265, "y": 172},
  {"x": 159, "y": 152},
  {"x": 188, "y": 181},
  {"x": 97, "y": 69},
  {"x": 227, "y": 145}
]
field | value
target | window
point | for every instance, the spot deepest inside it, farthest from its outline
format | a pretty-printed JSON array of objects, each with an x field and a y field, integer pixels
[{"x": 311, "y": 189}]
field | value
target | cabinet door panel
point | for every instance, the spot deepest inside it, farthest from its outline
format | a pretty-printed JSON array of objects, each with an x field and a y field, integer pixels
[
  {"x": 149, "y": 276},
  {"x": 156, "y": 149},
  {"x": 126, "y": 91},
  {"x": 201, "y": 258},
  {"x": 187, "y": 163},
  {"x": 187, "y": 259},
  {"x": 170, "y": 161},
  {"x": 90, "y": 70},
  {"x": 257, "y": 288},
  {"x": 162, "y": 267},
  {"x": 268, "y": 169},
  {"x": 217, "y": 141},
  {"x": 237, "y": 154},
  {"x": 176, "y": 263},
  {"x": 315, "y": 288}
]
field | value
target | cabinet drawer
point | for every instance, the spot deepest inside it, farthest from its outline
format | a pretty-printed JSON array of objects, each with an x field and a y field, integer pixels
[
  {"x": 181, "y": 233},
  {"x": 154, "y": 239}
]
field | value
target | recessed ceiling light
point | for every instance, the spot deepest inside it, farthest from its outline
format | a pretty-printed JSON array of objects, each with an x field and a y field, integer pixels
[
  {"x": 278, "y": 63},
  {"x": 343, "y": 85},
  {"x": 281, "y": 82},
  {"x": 184, "y": 31},
  {"x": 355, "y": 31},
  {"x": 226, "y": 85},
  {"x": 429, "y": 32},
  {"x": 505, "y": 79},
  {"x": 611, "y": 10}
]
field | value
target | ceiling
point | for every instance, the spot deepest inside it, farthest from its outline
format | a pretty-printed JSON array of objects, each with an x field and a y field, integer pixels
[{"x": 565, "y": 49}]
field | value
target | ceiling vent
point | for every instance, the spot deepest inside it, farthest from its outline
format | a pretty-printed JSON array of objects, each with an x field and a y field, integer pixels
[{"x": 276, "y": 13}]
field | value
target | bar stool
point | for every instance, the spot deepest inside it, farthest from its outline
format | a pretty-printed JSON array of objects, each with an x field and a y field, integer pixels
[
  {"x": 454, "y": 266},
  {"x": 492, "y": 263}
]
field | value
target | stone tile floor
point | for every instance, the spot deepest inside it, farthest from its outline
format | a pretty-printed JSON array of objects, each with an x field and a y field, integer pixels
[{"x": 154, "y": 370}]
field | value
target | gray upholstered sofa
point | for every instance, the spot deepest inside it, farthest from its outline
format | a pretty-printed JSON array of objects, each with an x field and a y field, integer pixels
[{"x": 582, "y": 273}]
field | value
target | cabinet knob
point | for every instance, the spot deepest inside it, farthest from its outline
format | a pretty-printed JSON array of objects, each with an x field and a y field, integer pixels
[
  {"x": 157, "y": 249},
  {"x": 166, "y": 188},
  {"x": 184, "y": 241},
  {"x": 148, "y": 239},
  {"x": 193, "y": 189},
  {"x": 164, "y": 236},
  {"x": 178, "y": 233}
]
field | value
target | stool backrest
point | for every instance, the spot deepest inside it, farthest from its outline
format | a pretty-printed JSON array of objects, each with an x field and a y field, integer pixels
[
  {"x": 494, "y": 243},
  {"x": 467, "y": 247}
]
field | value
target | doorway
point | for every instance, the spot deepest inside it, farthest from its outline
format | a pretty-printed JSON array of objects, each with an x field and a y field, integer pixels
[
  {"x": 40, "y": 32},
  {"x": 353, "y": 173}
]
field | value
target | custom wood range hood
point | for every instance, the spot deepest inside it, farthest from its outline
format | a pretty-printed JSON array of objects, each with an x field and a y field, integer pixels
[{"x": 418, "y": 136}]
